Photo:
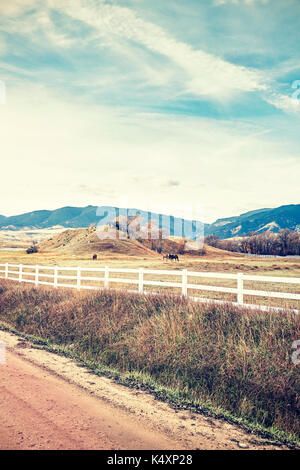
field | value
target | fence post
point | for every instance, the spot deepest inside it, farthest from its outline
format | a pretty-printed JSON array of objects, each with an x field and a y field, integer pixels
[
  {"x": 106, "y": 277},
  {"x": 141, "y": 281},
  {"x": 36, "y": 275},
  {"x": 184, "y": 282},
  {"x": 55, "y": 277},
  {"x": 20, "y": 272},
  {"x": 6, "y": 270},
  {"x": 240, "y": 296},
  {"x": 78, "y": 278}
]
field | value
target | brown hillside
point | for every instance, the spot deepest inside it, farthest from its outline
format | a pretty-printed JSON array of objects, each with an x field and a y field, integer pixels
[
  {"x": 212, "y": 252},
  {"x": 179, "y": 246},
  {"x": 85, "y": 240}
]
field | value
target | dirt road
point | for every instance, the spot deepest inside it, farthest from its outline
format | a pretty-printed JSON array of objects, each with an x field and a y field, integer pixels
[{"x": 48, "y": 402}]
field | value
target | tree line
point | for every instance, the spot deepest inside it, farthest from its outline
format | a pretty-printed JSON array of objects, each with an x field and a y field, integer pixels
[{"x": 283, "y": 243}]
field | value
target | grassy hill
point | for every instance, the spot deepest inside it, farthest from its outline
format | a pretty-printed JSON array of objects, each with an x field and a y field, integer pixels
[{"x": 86, "y": 241}]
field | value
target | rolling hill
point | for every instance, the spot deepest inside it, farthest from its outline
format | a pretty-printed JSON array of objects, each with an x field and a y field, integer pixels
[{"x": 85, "y": 240}]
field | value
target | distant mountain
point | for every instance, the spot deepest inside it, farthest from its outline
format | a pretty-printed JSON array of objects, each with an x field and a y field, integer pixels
[
  {"x": 260, "y": 220},
  {"x": 79, "y": 217},
  {"x": 65, "y": 216}
]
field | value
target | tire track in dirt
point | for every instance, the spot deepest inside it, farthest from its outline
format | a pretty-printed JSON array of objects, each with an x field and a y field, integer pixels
[{"x": 48, "y": 402}]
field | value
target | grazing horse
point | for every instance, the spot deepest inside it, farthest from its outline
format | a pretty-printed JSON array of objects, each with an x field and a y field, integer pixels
[
  {"x": 170, "y": 256},
  {"x": 94, "y": 257}
]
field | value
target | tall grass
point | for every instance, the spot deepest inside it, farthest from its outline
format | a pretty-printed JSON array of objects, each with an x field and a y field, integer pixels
[{"x": 228, "y": 357}]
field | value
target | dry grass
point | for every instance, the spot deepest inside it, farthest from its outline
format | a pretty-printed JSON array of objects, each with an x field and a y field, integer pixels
[
  {"x": 24, "y": 238},
  {"x": 231, "y": 358},
  {"x": 214, "y": 261}
]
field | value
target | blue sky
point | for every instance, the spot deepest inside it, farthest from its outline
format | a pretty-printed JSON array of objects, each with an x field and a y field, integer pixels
[{"x": 161, "y": 105}]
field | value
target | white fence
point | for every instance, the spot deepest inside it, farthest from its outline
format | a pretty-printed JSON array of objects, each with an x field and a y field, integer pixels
[
  {"x": 57, "y": 276},
  {"x": 251, "y": 255}
]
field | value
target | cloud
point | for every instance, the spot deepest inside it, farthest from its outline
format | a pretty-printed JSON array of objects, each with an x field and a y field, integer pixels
[
  {"x": 173, "y": 183},
  {"x": 62, "y": 152},
  {"x": 62, "y": 147},
  {"x": 285, "y": 103},
  {"x": 44, "y": 23},
  {"x": 35, "y": 25},
  {"x": 205, "y": 74},
  {"x": 13, "y": 8},
  {"x": 3, "y": 47},
  {"x": 98, "y": 191},
  {"x": 171, "y": 65},
  {"x": 238, "y": 2}
]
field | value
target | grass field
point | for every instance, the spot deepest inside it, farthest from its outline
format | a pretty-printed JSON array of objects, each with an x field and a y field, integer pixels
[
  {"x": 24, "y": 238},
  {"x": 214, "y": 261},
  {"x": 229, "y": 360}
]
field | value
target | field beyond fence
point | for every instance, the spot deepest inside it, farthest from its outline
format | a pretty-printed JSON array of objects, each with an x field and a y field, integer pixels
[{"x": 239, "y": 288}]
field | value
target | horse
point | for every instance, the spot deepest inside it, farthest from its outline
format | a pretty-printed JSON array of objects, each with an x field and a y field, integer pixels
[
  {"x": 94, "y": 257},
  {"x": 170, "y": 256}
]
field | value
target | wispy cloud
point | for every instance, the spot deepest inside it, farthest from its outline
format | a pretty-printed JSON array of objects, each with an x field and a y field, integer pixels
[
  {"x": 285, "y": 103},
  {"x": 205, "y": 74},
  {"x": 105, "y": 100},
  {"x": 237, "y": 2},
  {"x": 82, "y": 155},
  {"x": 194, "y": 71},
  {"x": 33, "y": 25},
  {"x": 16, "y": 7},
  {"x": 199, "y": 73}
]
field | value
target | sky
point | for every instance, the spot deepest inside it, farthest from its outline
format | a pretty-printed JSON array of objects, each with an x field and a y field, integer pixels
[{"x": 168, "y": 106}]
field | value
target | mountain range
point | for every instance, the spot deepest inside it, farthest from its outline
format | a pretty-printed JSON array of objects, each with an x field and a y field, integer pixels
[{"x": 260, "y": 220}]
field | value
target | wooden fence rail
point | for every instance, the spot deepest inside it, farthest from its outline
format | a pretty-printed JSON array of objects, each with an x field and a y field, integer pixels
[{"x": 57, "y": 274}]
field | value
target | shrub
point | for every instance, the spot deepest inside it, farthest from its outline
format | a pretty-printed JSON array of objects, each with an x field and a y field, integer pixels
[{"x": 33, "y": 248}]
